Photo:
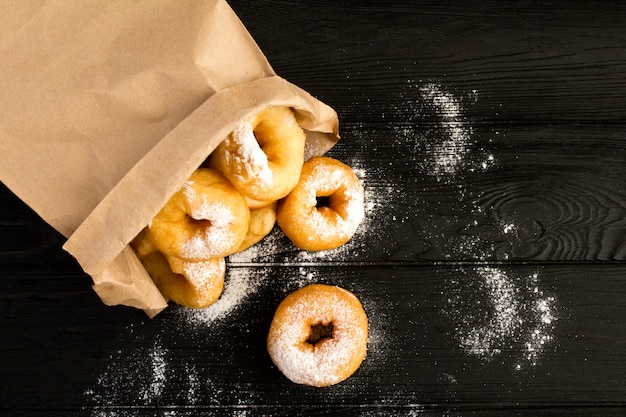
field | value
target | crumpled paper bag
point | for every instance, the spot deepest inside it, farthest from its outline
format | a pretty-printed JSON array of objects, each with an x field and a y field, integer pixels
[{"x": 107, "y": 107}]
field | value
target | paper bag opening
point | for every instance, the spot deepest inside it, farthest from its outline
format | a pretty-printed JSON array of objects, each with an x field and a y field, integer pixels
[
  {"x": 109, "y": 106},
  {"x": 100, "y": 244}
]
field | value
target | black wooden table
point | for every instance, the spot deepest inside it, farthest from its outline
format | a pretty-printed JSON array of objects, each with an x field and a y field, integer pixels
[{"x": 491, "y": 141}]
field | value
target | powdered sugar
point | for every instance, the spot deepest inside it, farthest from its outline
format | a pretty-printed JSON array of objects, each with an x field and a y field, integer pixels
[
  {"x": 266, "y": 248},
  {"x": 374, "y": 206},
  {"x": 485, "y": 339},
  {"x": 216, "y": 236},
  {"x": 349, "y": 218},
  {"x": 325, "y": 362},
  {"x": 355, "y": 218},
  {"x": 539, "y": 335},
  {"x": 449, "y": 153},
  {"x": 204, "y": 276},
  {"x": 340, "y": 219},
  {"x": 496, "y": 313},
  {"x": 239, "y": 284},
  {"x": 158, "y": 366},
  {"x": 145, "y": 383},
  {"x": 247, "y": 154},
  {"x": 441, "y": 131},
  {"x": 170, "y": 363},
  {"x": 203, "y": 208}
]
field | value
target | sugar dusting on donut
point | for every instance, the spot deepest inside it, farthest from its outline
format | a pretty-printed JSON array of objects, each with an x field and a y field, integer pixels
[
  {"x": 249, "y": 154},
  {"x": 329, "y": 361},
  {"x": 201, "y": 274},
  {"x": 218, "y": 235},
  {"x": 349, "y": 214}
]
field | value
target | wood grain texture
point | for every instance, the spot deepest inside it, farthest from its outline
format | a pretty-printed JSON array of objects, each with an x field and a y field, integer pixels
[
  {"x": 415, "y": 361},
  {"x": 542, "y": 193},
  {"x": 491, "y": 140},
  {"x": 538, "y": 62}
]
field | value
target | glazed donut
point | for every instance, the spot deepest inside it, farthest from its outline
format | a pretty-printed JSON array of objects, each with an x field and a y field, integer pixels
[
  {"x": 190, "y": 284},
  {"x": 318, "y": 335},
  {"x": 330, "y": 225},
  {"x": 262, "y": 221},
  {"x": 263, "y": 156},
  {"x": 207, "y": 218}
]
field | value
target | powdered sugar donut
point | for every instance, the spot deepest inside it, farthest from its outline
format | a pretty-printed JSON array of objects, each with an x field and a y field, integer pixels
[
  {"x": 314, "y": 226},
  {"x": 256, "y": 204},
  {"x": 263, "y": 156},
  {"x": 190, "y": 284},
  {"x": 318, "y": 335},
  {"x": 262, "y": 221},
  {"x": 196, "y": 285},
  {"x": 207, "y": 218}
]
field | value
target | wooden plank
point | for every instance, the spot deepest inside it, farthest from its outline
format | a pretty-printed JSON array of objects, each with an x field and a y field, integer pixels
[
  {"x": 490, "y": 138},
  {"x": 548, "y": 62},
  {"x": 541, "y": 193},
  {"x": 422, "y": 353},
  {"x": 24, "y": 237},
  {"x": 525, "y": 193}
]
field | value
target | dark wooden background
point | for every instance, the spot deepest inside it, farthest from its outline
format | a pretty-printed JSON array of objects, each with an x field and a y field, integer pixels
[{"x": 536, "y": 195}]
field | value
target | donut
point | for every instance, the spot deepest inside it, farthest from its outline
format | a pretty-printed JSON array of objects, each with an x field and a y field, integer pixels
[
  {"x": 263, "y": 156},
  {"x": 143, "y": 245},
  {"x": 262, "y": 221},
  {"x": 255, "y": 204},
  {"x": 190, "y": 284},
  {"x": 206, "y": 219},
  {"x": 325, "y": 208},
  {"x": 197, "y": 284},
  {"x": 318, "y": 335}
]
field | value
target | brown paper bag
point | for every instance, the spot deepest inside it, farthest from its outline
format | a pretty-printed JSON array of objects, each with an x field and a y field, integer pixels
[{"x": 108, "y": 107}]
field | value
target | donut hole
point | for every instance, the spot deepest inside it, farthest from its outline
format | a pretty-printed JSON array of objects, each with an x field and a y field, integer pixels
[
  {"x": 259, "y": 139},
  {"x": 320, "y": 332},
  {"x": 330, "y": 198},
  {"x": 322, "y": 201},
  {"x": 262, "y": 136},
  {"x": 199, "y": 223}
]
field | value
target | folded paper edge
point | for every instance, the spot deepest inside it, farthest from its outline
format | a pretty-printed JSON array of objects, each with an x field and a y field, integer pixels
[
  {"x": 141, "y": 291},
  {"x": 106, "y": 232}
]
